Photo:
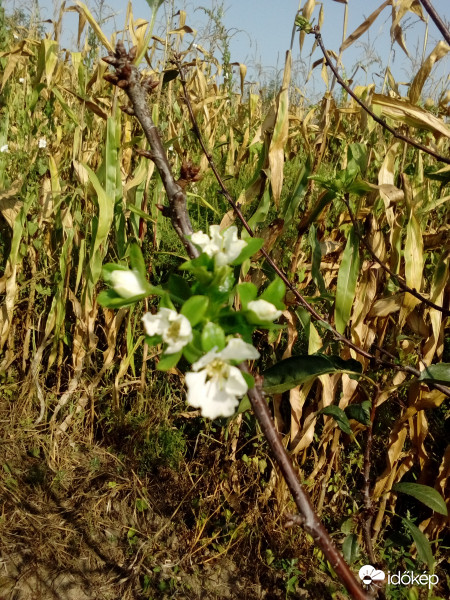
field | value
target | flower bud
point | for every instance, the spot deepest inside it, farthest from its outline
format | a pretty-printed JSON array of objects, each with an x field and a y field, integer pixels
[
  {"x": 264, "y": 311},
  {"x": 126, "y": 283}
]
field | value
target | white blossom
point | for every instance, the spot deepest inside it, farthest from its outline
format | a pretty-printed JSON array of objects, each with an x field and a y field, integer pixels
[
  {"x": 126, "y": 283},
  {"x": 21, "y": 80},
  {"x": 215, "y": 386},
  {"x": 4, "y": 148},
  {"x": 175, "y": 329},
  {"x": 265, "y": 311},
  {"x": 224, "y": 246},
  {"x": 42, "y": 143}
]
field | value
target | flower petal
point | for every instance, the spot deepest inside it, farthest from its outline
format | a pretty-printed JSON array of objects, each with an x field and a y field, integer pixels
[
  {"x": 238, "y": 350},
  {"x": 207, "y": 395},
  {"x": 236, "y": 384}
]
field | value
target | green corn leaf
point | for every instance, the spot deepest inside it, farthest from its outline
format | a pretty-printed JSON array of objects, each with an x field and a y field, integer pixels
[{"x": 346, "y": 282}]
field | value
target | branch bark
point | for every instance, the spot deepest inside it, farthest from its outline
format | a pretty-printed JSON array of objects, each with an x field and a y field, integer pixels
[{"x": 437, "y": 20}]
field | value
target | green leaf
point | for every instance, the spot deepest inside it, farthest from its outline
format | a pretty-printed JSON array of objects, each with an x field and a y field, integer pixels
[
  {"x": 350, "y": 548},
  {"x": 168, "y": 361},
  {"x": 424, "y": 493},
  {"x": 249, "y": 380},
  {"x": 194, "y": 309},
  {"x": 316, "y": 259},
  {"x": 137, "y": 211},
  {"x": 294, "y": 371},
  {"x": 193, "y": 351},
  {"x": 179, "y": 287},
  {"x": 293, "y": 200},
  {"x": 109, "y": 299},
  {"x": 253, "y": 245},
  {"x": 260, "y": 214},
  {"x": 359, "y": 412},
  {"x": 339, "y": 416},
  {"x": 439, "y": 373},
  {"x": 361, "y": 187},
  {"x": 346, "y": 282},
  {"x": 137, "y": 261},
  {"x": 274, "y": 293},
  {"x": 247, "y": 292},
  {"x": 244, "y": 405},
  {"x": 322, "y": 202},
  {"x": 213, "y": 336},
  {"x": 358, "y": 153},
  {"x": 422, "y": 544}
]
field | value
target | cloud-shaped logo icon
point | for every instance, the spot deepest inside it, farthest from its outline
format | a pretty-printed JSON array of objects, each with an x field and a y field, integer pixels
[{"x": 369, "y": 575}]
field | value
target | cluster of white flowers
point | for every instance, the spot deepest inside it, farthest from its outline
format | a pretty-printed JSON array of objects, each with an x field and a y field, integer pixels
[
  {"x": 224, "y": 246},
  {"x": 215, "y": 383},
  {"x": 42, "y": 143},
  {"x": 4, "y": 148}
]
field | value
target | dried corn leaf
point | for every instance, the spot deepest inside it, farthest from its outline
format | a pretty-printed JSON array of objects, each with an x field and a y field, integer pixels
[
  {"x": 405, "y": 112},
  {"x": 280, "y": 134},
  {"x": 415, "y": 90},
  {"x": 361, "y": 30}
]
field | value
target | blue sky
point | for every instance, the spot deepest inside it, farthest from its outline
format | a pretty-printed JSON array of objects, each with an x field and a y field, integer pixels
[{"x": 260, "y": 33}]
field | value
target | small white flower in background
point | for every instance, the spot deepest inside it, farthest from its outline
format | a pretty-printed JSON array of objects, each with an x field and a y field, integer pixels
[
  {"x": 265, "y": 311},
  {"x": 15, "y": 36},
  {"x": 4, "y": 148},
  {"x": 126, "y": 283},
  {"x": 21, "y": 80},
  {"x": 216, "y": 385},
  {"x": 42, "y": 143},
  {"x": 175, "y": 329},
  {"x": 224, "y": 246}
]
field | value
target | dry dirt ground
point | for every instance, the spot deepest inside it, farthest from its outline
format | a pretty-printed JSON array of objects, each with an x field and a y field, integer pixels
[{"x": 79, "y": 523}]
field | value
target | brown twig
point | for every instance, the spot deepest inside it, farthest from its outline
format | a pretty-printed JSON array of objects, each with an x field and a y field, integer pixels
[
  {"x": 398, "y": 278},
  {"x": 436, "y": 19},
  {"x": 130, "y": 80},
  {"x": 382, "y": 122},
  {"x": 368, "y": 504},
  {"x": 129, "y": 77}
]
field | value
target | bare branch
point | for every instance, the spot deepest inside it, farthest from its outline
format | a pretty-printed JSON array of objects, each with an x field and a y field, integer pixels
[
  {"x": 437, "y": 20},
  {"x": 382, "y": 122},
  {"x": 129, "y": 79}
]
